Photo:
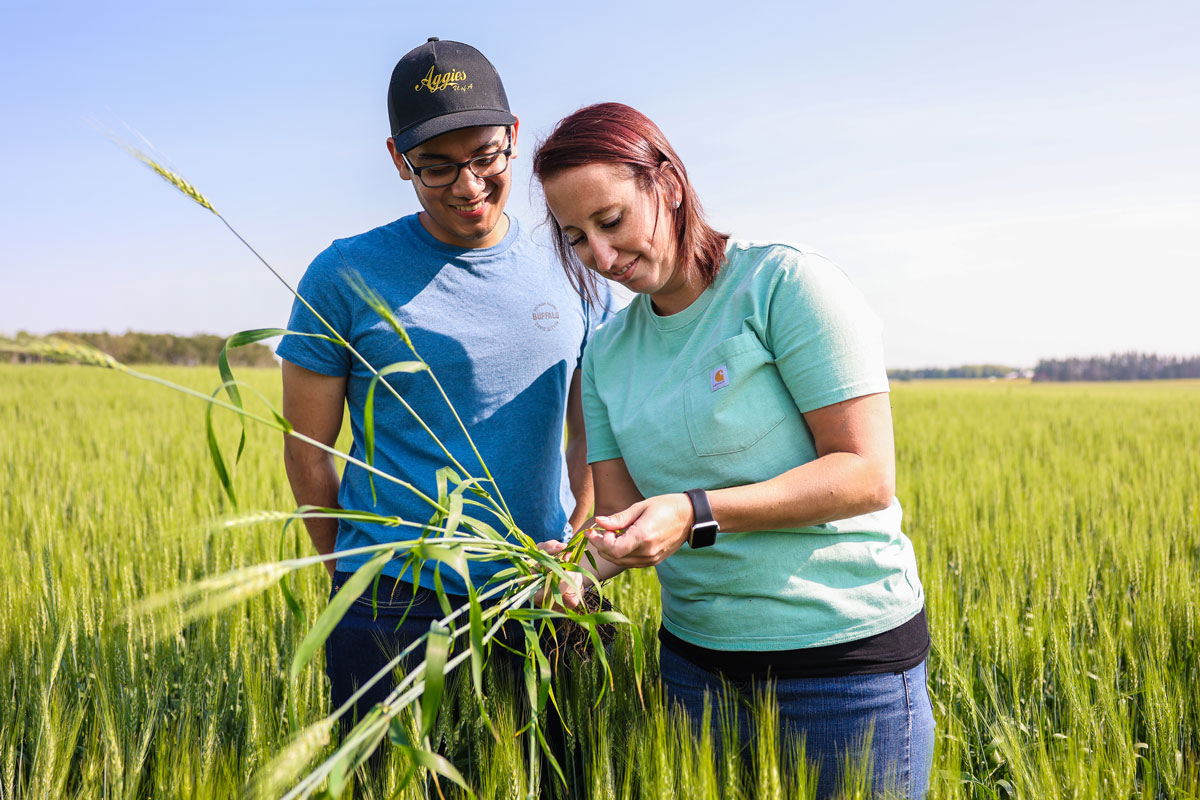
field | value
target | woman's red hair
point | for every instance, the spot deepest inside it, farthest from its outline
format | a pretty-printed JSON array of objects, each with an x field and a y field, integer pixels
[{"x": 613, "y": 133}]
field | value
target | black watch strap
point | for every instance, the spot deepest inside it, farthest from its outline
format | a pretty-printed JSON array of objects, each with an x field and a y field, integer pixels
[{"x": 705, "y": 528}]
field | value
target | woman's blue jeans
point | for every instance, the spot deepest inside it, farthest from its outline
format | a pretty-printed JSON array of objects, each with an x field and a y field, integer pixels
[{"x": 888, "y": 718}]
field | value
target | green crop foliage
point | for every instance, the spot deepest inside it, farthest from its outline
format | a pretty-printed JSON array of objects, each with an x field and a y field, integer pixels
[
  {"x": 1057, "y": 529},
  {"x": 526, "y": 595}
]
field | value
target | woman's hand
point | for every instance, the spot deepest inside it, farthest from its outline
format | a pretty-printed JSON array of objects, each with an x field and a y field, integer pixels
[{"x": 651, "y": 531}]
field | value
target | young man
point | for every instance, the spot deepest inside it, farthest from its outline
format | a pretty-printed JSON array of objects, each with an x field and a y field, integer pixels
[{"x": 491, "y": 313}]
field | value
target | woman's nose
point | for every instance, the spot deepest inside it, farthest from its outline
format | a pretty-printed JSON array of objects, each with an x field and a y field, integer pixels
[{"x": 604, "y": 254}]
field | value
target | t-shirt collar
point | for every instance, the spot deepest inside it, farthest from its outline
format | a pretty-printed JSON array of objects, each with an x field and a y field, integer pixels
[{"x": 417, "y": 230}]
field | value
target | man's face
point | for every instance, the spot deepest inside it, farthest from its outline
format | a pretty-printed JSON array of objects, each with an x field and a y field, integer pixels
[{"x": 469, "y": 212}]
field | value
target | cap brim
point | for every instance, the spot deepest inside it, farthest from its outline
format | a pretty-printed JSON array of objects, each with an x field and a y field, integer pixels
[{"x": 424, "y": 131}]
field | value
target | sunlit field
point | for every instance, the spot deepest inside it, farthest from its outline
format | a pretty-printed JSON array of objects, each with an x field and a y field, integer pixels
[{"x": 1057, "y": 529}]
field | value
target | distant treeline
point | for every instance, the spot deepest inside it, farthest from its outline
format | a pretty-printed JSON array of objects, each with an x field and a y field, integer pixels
[
  {"x": 1118, "y": 367},
  {"x": 965, "y": 371},
  {"x": 164, "y": 348}
]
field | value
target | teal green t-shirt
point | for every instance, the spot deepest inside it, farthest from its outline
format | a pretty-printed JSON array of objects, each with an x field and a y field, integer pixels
[{"x": 713, "y": 397}]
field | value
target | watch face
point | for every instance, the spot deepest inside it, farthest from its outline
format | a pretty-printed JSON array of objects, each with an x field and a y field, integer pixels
[{"x": 704, "y": 534}]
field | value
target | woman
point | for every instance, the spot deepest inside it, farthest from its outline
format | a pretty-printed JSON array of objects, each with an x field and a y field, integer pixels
[{"x": 740, "y": 438}]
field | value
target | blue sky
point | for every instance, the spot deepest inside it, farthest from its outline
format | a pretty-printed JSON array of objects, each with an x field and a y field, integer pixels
[{"x": 1004, "y": 182}]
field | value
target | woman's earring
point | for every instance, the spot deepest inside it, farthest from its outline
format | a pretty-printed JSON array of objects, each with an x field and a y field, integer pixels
[{"x": 675, "y": 204}]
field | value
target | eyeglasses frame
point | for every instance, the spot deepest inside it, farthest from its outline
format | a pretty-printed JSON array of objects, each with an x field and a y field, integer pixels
[{"x": 458, "y": 165}]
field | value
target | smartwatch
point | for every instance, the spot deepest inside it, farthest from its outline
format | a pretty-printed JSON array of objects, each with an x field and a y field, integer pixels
[{"x": 705, "y": 528}]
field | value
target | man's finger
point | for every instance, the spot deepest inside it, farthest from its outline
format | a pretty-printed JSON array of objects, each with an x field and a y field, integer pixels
[{"x": 552, "y": 546}]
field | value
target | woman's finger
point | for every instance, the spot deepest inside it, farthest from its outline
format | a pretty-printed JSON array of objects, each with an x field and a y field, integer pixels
[{"x": 622, "y": 519}]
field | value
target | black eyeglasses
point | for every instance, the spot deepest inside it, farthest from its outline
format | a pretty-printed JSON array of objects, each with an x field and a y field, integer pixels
[{"x": 488, "y": 165}]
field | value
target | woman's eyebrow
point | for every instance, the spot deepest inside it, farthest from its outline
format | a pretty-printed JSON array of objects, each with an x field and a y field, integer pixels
[
  {"x": 597, "y": 213},
  {"x": 603, "y": 210}
]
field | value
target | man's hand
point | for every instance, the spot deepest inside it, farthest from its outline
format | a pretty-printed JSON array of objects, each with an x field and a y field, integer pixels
[
  {"x": 646, "y": 533},
  {"x": 571, "y": 589}
]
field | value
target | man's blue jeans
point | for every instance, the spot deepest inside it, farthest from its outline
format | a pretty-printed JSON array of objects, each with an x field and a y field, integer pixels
[
  {"x": 835, "y": 716},
  {"x": 367, "y": 638}
]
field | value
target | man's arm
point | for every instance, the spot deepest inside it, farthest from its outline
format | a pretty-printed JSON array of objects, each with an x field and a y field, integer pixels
[
  {"x": 313, "y": 404},
  {"x": 578, "y": 472}
]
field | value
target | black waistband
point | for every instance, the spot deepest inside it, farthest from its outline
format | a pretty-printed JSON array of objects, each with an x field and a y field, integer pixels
[{"x": 896, "y": 650}]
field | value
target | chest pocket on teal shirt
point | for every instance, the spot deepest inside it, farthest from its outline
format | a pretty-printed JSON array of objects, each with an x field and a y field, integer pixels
[{"x": 734, "y": 396}]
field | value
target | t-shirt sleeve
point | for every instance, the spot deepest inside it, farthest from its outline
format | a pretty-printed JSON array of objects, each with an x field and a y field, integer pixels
[
  {"x": 827, "y": 342},
  {"x": 325, "y": 288},
  {"x": 601, "y": 444}
]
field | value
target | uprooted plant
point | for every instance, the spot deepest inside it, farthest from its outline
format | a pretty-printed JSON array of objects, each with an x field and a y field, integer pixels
[{"x": 525, "y": 594}]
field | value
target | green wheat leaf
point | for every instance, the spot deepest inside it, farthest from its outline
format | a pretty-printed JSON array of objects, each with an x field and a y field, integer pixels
[
  {"x": 231, "y": 388},
  {"x": 639, "y": 660},
  {"x": 437, "y": 646},
  {"x": 369, "y": 412},
  {"x": 337, "y": 608},
  {"x": 214, "y": 451},
  {"x": 430, "y": 761},
  {"x": 368, "y": 734}
]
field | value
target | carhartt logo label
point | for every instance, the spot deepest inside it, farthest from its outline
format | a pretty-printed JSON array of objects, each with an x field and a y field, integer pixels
[
  {"x": 545, "y": 316},
  {"x": 718, "y": 378},
  {"x": 451, "y": 79}
]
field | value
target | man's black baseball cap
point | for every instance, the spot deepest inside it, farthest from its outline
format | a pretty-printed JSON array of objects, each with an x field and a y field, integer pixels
[{"x": 440, "y": 87}]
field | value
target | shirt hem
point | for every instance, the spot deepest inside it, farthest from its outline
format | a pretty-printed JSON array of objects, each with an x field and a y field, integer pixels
[
  {"x": 761, "y": 643},
  {"x": 603, "y": 455},
  {"x": 311, "y": 365},
  {"x": 843, "y": 393}
]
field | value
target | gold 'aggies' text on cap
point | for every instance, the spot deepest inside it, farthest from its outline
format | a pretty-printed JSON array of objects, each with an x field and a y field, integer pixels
[
  {"x": 443, "y": 86},
  {"x": 450, "y": 79}
]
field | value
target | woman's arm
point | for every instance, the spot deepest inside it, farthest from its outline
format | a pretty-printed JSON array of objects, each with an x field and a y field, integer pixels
[
  {"x": 615, "y": 490},
  {"x": 578, "y": 472},
  {"x": 854, "y": 473}
]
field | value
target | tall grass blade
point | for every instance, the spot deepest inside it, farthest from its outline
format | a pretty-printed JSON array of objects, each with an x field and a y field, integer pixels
[
  {"x": 431, "y": 761},
  {"x": 337, "y": 608},
  {"x": 273, "y": 780},
  {"x": 369, "y": 411},
  {"x": 214, "y": 451},
  {"x": 437, "y": 646},
  {"x": 356, "y": 749},
  {"x": 231, "y": 388}
]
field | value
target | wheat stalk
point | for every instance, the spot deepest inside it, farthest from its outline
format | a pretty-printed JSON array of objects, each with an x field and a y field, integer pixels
[
  {"x": 170, "y": 176},
  {"x": 61, "y": 350},
  {"x": 531, "y": 572}
]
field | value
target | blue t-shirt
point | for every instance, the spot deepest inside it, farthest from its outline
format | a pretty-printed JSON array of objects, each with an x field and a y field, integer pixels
[{"x": 502, "y": 330}]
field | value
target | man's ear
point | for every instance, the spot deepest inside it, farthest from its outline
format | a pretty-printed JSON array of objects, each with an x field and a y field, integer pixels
[
  {"x": 515, "y": 125},
  {"x": 398, "y": 160}
]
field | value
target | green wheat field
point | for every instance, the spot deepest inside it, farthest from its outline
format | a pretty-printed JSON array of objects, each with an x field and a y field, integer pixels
[{"x": 1057, "y": 529}]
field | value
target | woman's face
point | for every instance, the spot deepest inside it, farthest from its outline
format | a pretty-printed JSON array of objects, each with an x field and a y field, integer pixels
[{"x": 622, "y": 231}]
